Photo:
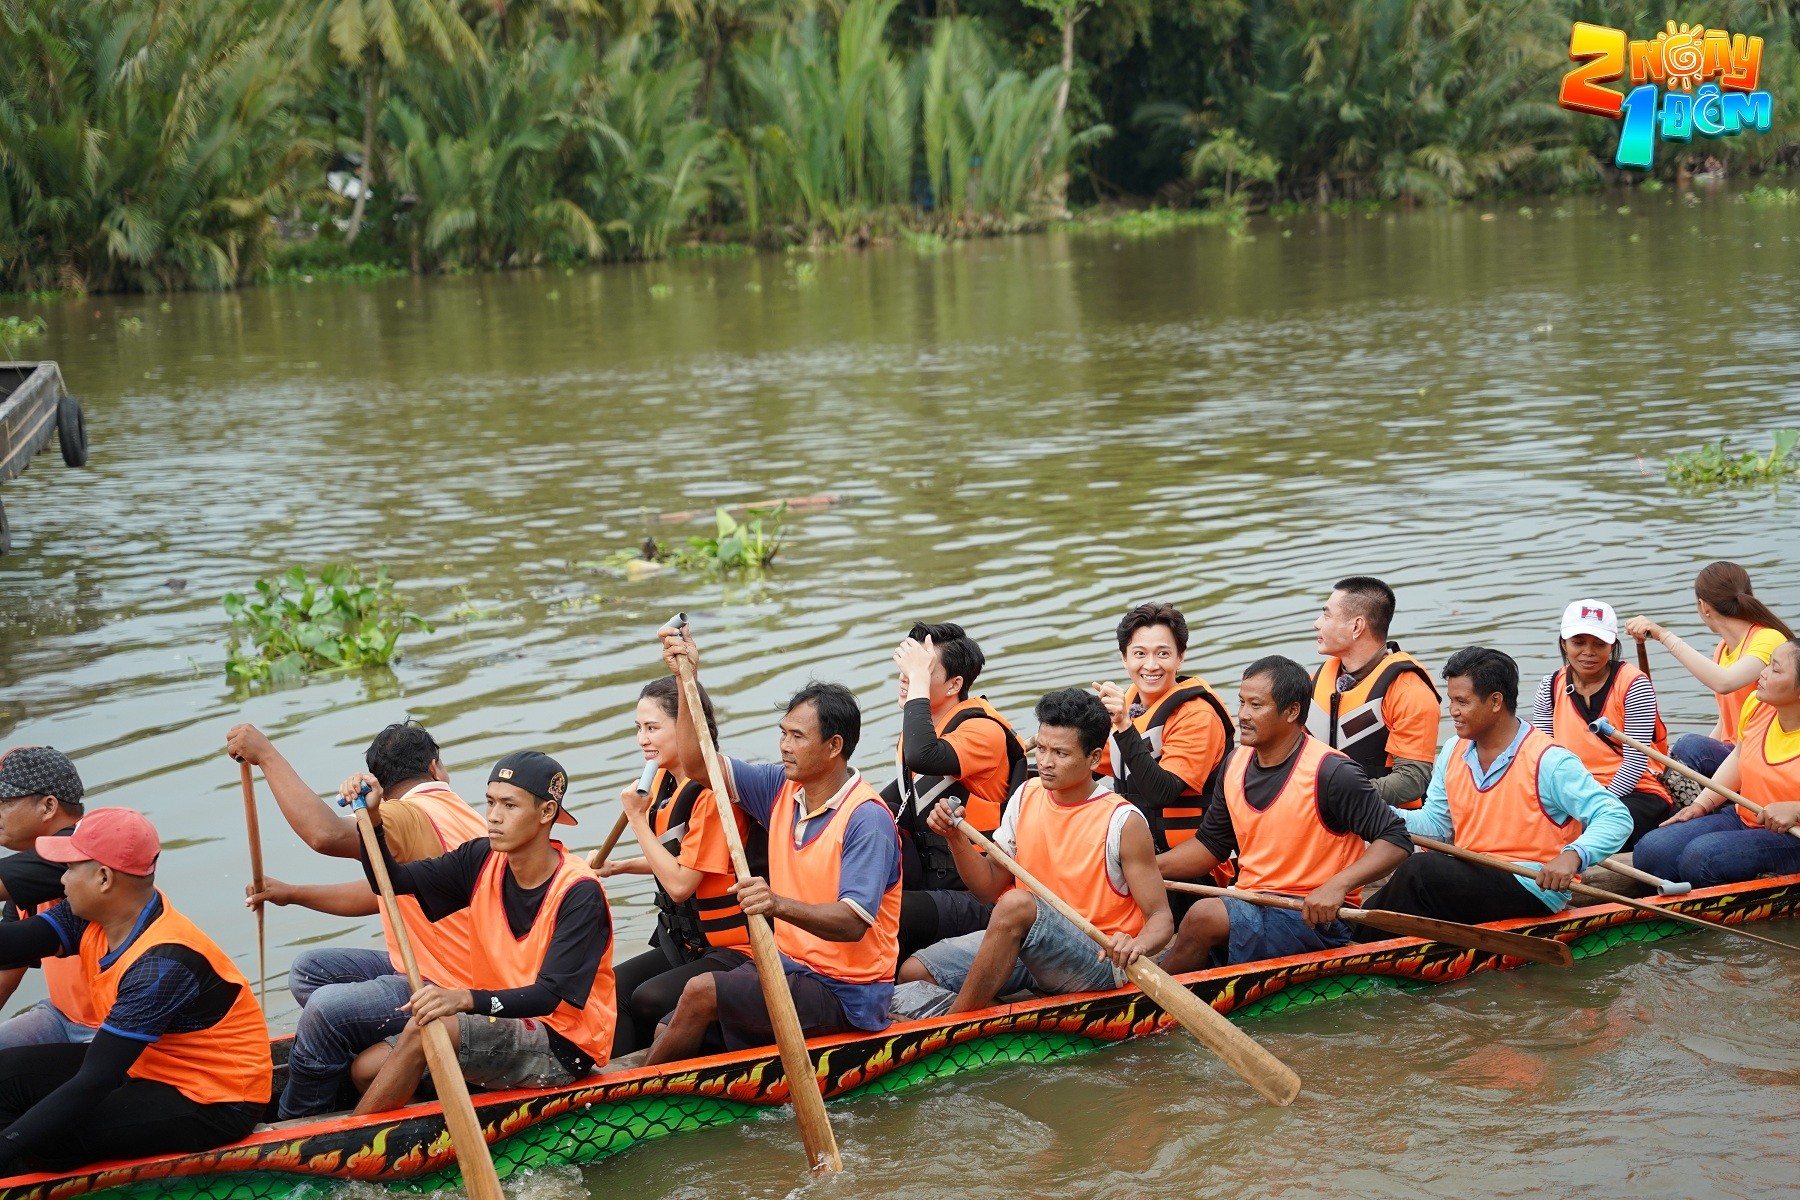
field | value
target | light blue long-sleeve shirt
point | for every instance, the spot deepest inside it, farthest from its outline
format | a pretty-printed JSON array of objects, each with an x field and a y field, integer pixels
[{"x": 1565, "y": 789}]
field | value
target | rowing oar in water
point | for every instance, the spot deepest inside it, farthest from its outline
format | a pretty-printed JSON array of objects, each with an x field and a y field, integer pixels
[
  {"x": 612, "y": 839},
  {"x": 1604, "y": 728},
  {"x": 466, "y": 1137},
  {"x": 803, "y": 1084},
  {"x": 1454, "y": 933},
  {"x": 1237, "y": 1049},
  {"x": 1582, "y": 889},
  {"x": 256, "y": 882}
]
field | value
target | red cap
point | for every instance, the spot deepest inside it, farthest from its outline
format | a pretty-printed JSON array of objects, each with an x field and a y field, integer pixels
[{"x": 120, "y": 838}]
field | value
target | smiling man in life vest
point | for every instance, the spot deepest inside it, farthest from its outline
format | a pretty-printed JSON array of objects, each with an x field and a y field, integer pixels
[
  {"x": 951, "y": 744},
  {"x": 1502, "y": 788},
  {"x": 1371, "y": 699},
  {"x": 40, "y": 796},
  {"x": 350, "y": 999},
  {"x": 1303, "y": 821},
  {"x": 833, "y": 891},
  {"x": 1087, "y": 844},
  {"x": 1169, "y": 730},
  {"x": 542, "y": 1009},
  {"x": 181, "y": 1058}
]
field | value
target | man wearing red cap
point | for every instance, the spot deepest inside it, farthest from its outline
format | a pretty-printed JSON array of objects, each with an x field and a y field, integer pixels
[
  {"x": 543, "y": 1010},
  {"x": 181, "y": 1059}
]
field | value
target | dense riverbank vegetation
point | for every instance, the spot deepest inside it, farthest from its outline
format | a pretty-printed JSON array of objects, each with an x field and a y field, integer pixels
[{"x": 159, "y": 144}]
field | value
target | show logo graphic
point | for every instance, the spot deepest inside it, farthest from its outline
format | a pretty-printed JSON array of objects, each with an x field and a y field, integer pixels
[{"x": 1706, "y": 79}]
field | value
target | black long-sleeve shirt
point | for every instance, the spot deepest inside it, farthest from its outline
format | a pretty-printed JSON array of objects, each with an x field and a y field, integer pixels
[{"x": 921, "y": 749}]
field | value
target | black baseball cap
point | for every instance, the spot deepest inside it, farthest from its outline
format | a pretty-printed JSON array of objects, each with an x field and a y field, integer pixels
[
  {"x": 39, "y": 771},
  {"x": 538, "y": 774}
]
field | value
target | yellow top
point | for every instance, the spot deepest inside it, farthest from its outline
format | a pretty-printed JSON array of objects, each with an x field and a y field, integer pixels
[
  {"x": 1781, "y": 744},
  {"x": 1762, "y": 643}
]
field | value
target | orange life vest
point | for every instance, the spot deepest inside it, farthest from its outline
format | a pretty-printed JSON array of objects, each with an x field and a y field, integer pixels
[
  {"x": 503, "y": 961},
  {"x": 1286, "y": 847},
  {"x": 711, "y": 917},
  {"x": 1352, "y": 720},
  {"x": 1177, "y": 822},
  {"x": 1065, "y": 847},
  {"x": 810, "y": 875},
  {"x": 441, "y": 947},
  {"x": 1731, "y": 704},
  {"x": 982, "y": 789},
  {"x": 1759, "y": 779},
  {"x": 1601, "y": 757},
  {"x": 1508, "y": 819},
  {"x": 226, "y": 1063}
]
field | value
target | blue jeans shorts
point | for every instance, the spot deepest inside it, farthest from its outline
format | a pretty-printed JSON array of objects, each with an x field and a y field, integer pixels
[{"x": 1055, "y": 959}]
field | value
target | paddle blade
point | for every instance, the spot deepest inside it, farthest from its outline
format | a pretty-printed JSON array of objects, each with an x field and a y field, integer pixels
[
  {"x": 1453, "y": 933},
  {"x": 1235, "y": 1048}
]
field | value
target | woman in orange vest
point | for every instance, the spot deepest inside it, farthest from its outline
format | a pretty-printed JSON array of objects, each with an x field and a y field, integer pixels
[
  {"x": 699, "y": 926},
  {"x": 181, "y": 1059},
  {"x": 1713, "y": 841},
  {"x": 1748, "y": 634},
  {"x": 1594, "y": 683},
  {"x": 1087, "y": 844},
  {"x": 541, "y": 1011},
  {"x": 1170, "y": 733}
]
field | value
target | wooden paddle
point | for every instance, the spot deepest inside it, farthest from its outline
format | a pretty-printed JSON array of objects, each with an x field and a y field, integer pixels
[
  {"x": 1582, "y": 889},
  {"x": 803, "y": 1084},
  {"x": 612, "y": 839},
  {"x": 256, "y": 882},
  {"x": 467, "y": 1137},
  {"x": 1643, "y": 656},
  {"x": 1454, "y": 933},
  {"x": 1237, "y": 1049},
  {"x": 1617, "y": 863},
  {"x": 1604, "y": 728}
]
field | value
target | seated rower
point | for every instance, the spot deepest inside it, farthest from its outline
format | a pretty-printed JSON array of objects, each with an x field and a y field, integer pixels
[
  {"x": 181, "y": 1059},
  {"x": 1713, "y": 841},
  {"x": 833, "y": 889},
  {"x": 40, "y": 796},
  {"x": 1303, "y": 820},
  {"x": 351, "y": 999},
  {"x": 1085, "y": 843},
  {"x": 1503, "y": 788},
  {"x": 1595, "y": 683},
  {"x": 541, "y": 1011},
  {"x": 1371, "y": 699},
  {"x": 1169, "y": 731},
  {"x": 1748, "y": 634},
  {"x": 951, "y": 744},
  {"x": 699, "y": 927}
]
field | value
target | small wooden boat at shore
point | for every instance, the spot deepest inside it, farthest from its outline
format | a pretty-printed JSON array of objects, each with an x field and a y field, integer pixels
[
  {"x": 34, "y": 405},
  {"x": 409, "y": 1149}
]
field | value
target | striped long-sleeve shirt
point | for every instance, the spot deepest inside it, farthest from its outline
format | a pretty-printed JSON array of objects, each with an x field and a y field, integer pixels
[{"x": 1640, "y": 723}]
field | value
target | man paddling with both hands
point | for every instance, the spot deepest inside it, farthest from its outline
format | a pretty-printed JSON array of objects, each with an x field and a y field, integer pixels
[
  {"x": 1505, "y": 789},
  {"x": 1086, "y": 844},
  {"x": 833, "y": 891},
  {"x": 1304, "y": 822}
]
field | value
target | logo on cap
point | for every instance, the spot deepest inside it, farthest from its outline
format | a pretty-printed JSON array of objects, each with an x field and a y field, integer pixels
[
  {"x": 558, "y": 784},
  {"x": 503, "y": 773},
  {"x": 1598, "y": 614}
]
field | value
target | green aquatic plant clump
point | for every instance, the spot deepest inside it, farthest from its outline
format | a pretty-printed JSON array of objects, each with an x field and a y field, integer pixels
[
  {"x": 738, "y": 547},
  {"x": 1714, "y": 465},
  {"x": 295, "y": 625},
  {"x": 16, "y": 331}
]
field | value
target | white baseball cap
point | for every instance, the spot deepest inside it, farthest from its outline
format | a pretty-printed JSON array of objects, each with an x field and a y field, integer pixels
[{"x": 1593, "y": 617}]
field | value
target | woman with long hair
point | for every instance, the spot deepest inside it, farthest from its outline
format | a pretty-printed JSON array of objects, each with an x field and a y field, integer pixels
[{"x": 1748, "y": 634}]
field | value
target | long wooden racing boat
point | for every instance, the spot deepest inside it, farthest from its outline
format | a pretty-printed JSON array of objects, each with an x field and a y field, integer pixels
[{"x": 409, "y": 1150}]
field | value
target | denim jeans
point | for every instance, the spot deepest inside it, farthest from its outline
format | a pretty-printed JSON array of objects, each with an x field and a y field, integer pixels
[
  {"x": 43, "y": 1024},
  {"x": 350, "y": 1000},
  {"x": 1055, "y": 959},
  {"x": 1700, "y": 752},
  {"x": 1714, "y": 849}
]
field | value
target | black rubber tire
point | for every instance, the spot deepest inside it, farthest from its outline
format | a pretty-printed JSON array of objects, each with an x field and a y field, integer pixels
[
  {"x": 5, "y": 532},
  {"x": 71, "y": 431}
]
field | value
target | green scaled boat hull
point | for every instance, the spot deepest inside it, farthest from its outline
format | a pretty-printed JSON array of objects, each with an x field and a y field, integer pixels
[{"x": 410, "y": 1151}]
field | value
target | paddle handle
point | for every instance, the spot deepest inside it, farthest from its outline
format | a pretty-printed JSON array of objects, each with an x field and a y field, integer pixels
[
  {"x": 467, "y": 1136},
  {"x": 254, "y": 830},
  {"x": 1643, "y": 657},
  {"x": 618, "y": 830},
  {"x": 1582, "y": 889},
  {"x": 1237, "y": 1049},
  {"x": 816, "y": 1137},
  {"x": 1263, "y": 898},
  {"x": 1605, "y": 729},
  {"x": 1618, "y": 865}
]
